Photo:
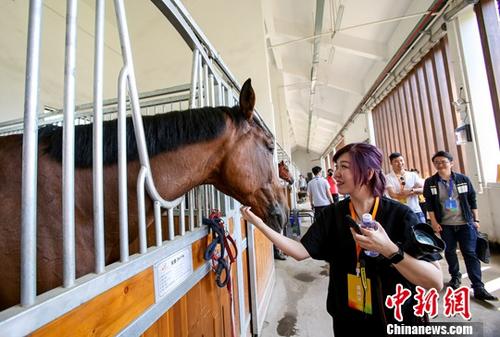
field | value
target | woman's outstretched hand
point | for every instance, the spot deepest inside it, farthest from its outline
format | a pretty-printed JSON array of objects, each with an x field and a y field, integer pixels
[{"x": 249, "y": 216}]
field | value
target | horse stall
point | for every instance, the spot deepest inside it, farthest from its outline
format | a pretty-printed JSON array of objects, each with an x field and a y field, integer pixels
[{"x": 104, "y": 205}]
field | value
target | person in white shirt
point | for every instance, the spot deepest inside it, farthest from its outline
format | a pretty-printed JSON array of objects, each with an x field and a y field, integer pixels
[
  {"x": 404, "y": 186},
  {"x": 318, "y": 190}
]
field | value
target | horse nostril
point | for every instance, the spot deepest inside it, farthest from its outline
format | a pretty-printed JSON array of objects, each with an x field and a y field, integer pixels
[{"x": 280, "y": 214}]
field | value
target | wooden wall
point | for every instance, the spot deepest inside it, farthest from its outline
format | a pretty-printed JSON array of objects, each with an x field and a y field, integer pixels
[
  {"x": 417, "y": 117},
  {"x": 203, "y": 311},
  {"x": 108, "y": 313}
]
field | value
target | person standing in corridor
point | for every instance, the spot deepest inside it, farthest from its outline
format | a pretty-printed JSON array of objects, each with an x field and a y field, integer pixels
[
  {"x": 405, "y": 186},
  {"x": 333, "y": 186},
  {"x": 318, "y": 190},
  {"x": 359, "y": 284},
  {"x": 451, "y": 205}
]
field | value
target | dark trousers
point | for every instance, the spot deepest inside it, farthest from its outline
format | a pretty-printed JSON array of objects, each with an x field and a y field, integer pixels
[
  {"x": 466, "y": 236},
  {"x": 335, "y": 197}
]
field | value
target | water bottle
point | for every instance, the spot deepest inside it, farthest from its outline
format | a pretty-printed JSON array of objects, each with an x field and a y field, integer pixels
[{"x": 367, "y": 222}]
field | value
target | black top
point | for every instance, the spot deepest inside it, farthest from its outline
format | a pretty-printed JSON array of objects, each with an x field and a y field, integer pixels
[
  {"x": 330, "y": 239},
  {"x": 466, "y": 196}
]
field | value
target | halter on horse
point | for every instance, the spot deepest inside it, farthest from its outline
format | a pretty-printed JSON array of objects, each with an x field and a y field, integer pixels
[{"x": 223, "y": 146}]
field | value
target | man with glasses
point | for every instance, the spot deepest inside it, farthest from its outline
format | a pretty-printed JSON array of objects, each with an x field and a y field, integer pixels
[
  {"x": 404, "y": 186},
  {"x": 452, "y": 208}
]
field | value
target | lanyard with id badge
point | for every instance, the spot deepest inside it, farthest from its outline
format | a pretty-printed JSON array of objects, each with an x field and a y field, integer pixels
[
  {"x": 450, "y": 204},
  {"x": 359, "y": 292}
]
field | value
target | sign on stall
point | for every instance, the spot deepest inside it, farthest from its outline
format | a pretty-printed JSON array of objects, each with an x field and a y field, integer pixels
[{"x": 172, "y": 271}]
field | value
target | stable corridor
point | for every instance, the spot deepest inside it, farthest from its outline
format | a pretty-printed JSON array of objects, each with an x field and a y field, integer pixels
[{"x": 298, "y": 303}]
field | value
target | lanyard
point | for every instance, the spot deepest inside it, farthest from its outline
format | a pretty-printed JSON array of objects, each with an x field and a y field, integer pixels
[
  {"x": 354, "y": 215},
  {"x": 450, "y": 187}
]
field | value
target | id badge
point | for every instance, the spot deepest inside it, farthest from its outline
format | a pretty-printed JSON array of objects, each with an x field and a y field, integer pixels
[
  {"x": 451, "y": 205},
  {"x": 358, "y": 298}
]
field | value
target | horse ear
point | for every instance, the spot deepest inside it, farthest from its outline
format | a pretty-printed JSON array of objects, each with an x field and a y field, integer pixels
[{"x": 247, "y": 99}]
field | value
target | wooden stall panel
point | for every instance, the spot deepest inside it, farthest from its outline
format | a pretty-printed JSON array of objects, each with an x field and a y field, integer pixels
[
  {"x": 264, "y": 263},
  {"x": 203, "y": 311},
  {"x": 198, "y": 250},
  {"x": 108, "y": 313},
  {"x": 246, "y": 281}
]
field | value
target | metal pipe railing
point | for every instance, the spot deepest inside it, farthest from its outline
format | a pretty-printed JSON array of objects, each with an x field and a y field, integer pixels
[
  {"x": 30, "y": 156},
  {"x": 134, "y": 98},
  {"x": 68, "y": 165},
  {"x": 182, "y": 219},
  {"x": 191, "y": 210},
  {"x": 98, "y": 170},
  {"x": 122, "y": 166},
  {"x": 171, "y": 231},
  {"x": 194, "y": 78},
  {"x": 141, "y": 214},
  {"x": 158, "y": 229},
  {"x": 205, "y": 76}
]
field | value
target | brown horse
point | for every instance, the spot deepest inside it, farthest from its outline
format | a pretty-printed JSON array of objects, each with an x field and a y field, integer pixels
[
  {"x": 223, "y": 146},
  {"x": 284, "y": 172}
]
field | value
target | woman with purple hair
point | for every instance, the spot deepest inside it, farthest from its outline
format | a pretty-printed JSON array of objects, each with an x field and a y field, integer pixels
[{"x": 359, "y": 283}]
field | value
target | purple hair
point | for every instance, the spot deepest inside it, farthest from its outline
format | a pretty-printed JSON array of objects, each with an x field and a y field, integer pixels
[{"x": 365, "y": 157}]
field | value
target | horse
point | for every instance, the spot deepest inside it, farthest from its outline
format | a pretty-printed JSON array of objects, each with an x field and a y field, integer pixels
[
  {"x": 227, "y": 147},
  {"x": 284, "y": 172}
]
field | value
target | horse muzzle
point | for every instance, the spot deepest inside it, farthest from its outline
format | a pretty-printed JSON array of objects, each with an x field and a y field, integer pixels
[{"x": 278, "y": 217}]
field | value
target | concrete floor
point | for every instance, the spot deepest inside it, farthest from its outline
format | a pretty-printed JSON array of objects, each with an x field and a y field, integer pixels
[{"x": 298, "y": 303}]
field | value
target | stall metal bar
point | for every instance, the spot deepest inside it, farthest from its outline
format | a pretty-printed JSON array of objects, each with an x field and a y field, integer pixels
[
  {"x": 191, "y": 210},
  {"x": 136, "y": 109},
  {"x": 30, "y": 155},
  {"x": 141, "y": 205},
  {"x": 122, "y": 165},
  {"x": 97, "y": 140},
  {"x": 171, "y": 231},
  {"x": 68, "y": 168},
  {"x": 182, "y": 220},
  {"x": 158, "y": 230},
  {"x": 194, "y": 78}
]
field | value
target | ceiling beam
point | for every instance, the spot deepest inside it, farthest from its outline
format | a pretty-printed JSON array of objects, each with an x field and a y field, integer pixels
[
  {"x": 361, "y": 47},
  {"x": 329, "y": 33},
  {"x": 271, "y": 32},
  {"x": 344, "y": 84}
]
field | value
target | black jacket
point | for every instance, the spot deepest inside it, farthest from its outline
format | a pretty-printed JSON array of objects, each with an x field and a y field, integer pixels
[{"x": 467, "y": 197}]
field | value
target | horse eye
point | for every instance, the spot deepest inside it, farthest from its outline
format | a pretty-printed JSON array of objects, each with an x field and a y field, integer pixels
[{"x": 270, "y": 146}]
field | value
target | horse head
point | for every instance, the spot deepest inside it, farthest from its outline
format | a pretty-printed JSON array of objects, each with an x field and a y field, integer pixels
[
  {"x": 284, "y": 172},
  {"x": 248, "y": 171}
]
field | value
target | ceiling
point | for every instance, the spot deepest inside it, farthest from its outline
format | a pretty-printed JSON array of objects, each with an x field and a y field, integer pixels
[
  {"x": 322, "y": 79},
  {"x": 325, "y": 78}
]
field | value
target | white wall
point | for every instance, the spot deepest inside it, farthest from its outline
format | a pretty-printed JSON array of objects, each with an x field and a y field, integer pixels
[
  {"x": 479, "y": 93},
  {"x": 282, "y": 125},
  {"x": 305, "y": 161},
  {"x": 483, "y": 154},
  {"x": 357, "y": 131},
  {"x": 161, "y": 58},
  {"x": 236, "y": 30}
]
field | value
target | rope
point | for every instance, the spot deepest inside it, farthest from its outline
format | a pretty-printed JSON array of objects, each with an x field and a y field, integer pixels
[{"x": 222, "y": 238}]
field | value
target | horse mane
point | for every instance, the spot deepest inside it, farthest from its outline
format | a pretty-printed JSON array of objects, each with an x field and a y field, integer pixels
[{"x": 164, "y": 132}]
